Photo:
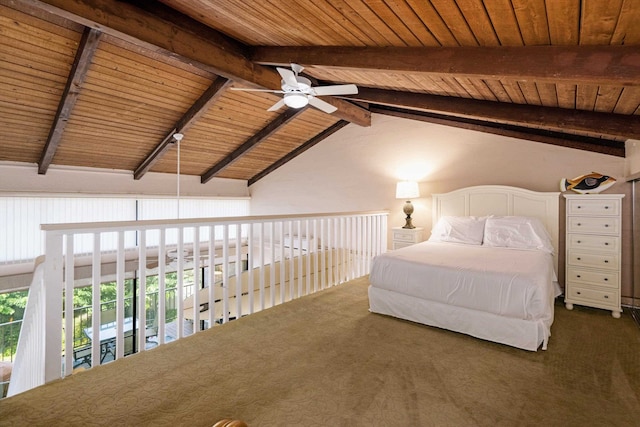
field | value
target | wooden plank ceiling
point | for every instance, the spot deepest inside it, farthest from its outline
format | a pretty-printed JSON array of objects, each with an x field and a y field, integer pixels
[{"x": 106, "y": 83}]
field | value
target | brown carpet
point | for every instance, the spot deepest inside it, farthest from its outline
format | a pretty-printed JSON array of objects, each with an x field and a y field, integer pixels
[{"x": 324, "y": 360}]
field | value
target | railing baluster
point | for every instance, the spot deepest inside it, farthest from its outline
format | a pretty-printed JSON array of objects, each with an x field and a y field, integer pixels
[
  {"x": 69, "y": 271},
  {"x": 179, "y": 292},
  {"x": 262, "y": 302},
  {"x": 357, "y": 235},
  {"x": 95, "y": 306},
  {"x": 340, "y": 263},
  {"x": 313, "y": 253},
  {"x": 142, "y": 289},
  {"x": 293, "y": 242},
  {"x": 250, "y": 287},
  {"x": 162, "y": 289},
  {"x": 120, "y": 297},
  {"x": 325, "y": 249},
  {"x": 355, "y": 247},
  {"x": 283, "y": 286},
  {"x": 212, "y": 275},
  {"x": 330, "y": 248},
  {"x": 196, "y": 280},
  {"x": 340, "y": 245},
  {"x": 272, "y": 269},
  {"x": 225, "y": 273},
  {"x": 52, "y": 293},
  {"x": 238, "y": 271},
  {"x": 301, "y": 253}
]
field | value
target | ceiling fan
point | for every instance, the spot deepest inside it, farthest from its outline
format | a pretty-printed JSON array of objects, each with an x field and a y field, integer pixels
[{"x": 298, "y": 92}]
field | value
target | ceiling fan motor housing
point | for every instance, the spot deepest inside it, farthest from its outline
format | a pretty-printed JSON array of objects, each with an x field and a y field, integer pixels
[{"x": 304, "y": 85}]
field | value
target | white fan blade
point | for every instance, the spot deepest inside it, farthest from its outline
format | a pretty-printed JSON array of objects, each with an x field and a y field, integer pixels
[
  {"x": 297, "y": 68},
  {"x": 288, "y": 77},
  {"x": 322, "y": 105},
  {"x": 336, "y": 90},
  {"x": 277, "y": 105},
  {"x": 246, "y": 89}
]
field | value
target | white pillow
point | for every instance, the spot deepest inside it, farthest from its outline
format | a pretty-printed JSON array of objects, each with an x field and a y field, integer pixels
[
  {"x": 517, "y": 232},
  {"x": 459, "y": 229}
]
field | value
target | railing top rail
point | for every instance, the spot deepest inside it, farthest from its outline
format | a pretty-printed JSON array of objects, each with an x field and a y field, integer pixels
[{"x": 168, "y": 223}]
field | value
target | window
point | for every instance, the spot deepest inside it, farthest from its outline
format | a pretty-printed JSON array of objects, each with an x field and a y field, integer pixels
[{"x": 20, "y": 218}]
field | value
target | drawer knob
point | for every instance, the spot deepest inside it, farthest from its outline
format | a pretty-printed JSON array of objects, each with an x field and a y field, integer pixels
[
  {"x": 579, "y": 224},
  {"x": 579, "y": 293},
  {"x": 578, "y": 258},
  {"x": 606, "y": 261},
  {"x": 579, "y": 241},
  {"x": 579, "y": 207},
  {"x": 606, "y": 243},
  {"x": 606, "y": 207},
  {"x": 606, "y": 279},
  {"x": 606, "y": 297},
  {"x": 578, "y": 276},
  {"x": 606, "y": 225}
]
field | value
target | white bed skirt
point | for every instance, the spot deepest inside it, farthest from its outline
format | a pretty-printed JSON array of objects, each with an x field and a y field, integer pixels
[{"x": 524, "y": 334}]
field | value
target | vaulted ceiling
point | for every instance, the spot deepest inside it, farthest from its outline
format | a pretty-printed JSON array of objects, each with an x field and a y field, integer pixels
[{"x": 107, "y": 83}]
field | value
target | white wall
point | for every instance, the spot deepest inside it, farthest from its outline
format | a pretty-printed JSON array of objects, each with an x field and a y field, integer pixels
[
  {"x": 20, "y": 178},
  {"x": 633, "y": 157},
  {"x": 357, "y": 168}
]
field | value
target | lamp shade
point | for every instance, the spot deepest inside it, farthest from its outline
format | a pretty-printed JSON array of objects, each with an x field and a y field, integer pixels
[{"x": 407, "y": 190}]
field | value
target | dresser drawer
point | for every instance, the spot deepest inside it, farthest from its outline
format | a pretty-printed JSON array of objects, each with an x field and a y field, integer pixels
[
  {"x": 593, "y": 225},
  {"x": 595, "y": 296},
  {"x": 586, "y": 259},
  {"x": 406, "y": 236},
  {"x": 593, "y": 242},
  {"x": 584, "y": 206},
  {"x": 578, "y": 276}
]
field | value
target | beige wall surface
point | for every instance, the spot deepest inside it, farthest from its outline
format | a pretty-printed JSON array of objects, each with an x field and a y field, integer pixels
[
  {"x": 632, "y": 147},
  {"x": 357, "y": 169}
]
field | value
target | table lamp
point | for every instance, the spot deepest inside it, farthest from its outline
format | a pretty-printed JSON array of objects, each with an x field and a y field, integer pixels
[{"x": 407, "y": 190}]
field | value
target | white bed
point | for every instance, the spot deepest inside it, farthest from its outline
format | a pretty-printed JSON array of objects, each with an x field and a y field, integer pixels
[{"x": 508, "y": 297}]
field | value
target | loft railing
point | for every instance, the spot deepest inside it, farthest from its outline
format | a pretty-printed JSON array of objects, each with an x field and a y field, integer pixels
[
  {"x": 30, "y": 351},
  {"x": 247, "y": 264}
]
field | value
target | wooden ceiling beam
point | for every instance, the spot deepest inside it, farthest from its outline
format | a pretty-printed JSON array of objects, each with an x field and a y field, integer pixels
[
  {"x": 284, "y": 118},
  {"x": 181, "y": 20},
  {"x": 593, "y": 65},
  {"x": 301, "y": 149},
  {"x": 198, "y": 108},
  {"x": 597, "y": 145},
  {"x": 557, "y": 119},
  {"x": 86, "y": 49},
  {"x": 159, "y": 34}
]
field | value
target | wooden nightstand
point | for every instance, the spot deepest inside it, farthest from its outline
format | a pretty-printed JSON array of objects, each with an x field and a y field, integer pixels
[{"x": 406, "y": 236}]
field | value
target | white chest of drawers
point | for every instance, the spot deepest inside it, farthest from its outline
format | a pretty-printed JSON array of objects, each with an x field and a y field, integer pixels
[
  {"x": 593, "y": 251},
  {"x": 406, "y": 236}
]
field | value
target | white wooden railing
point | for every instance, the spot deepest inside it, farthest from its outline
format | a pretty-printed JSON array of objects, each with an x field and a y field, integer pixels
[
  {"x": 286, "y": 257},
  {"x": 31, "y": 344}
]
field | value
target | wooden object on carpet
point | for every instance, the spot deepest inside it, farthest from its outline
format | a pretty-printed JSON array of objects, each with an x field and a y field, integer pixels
[{"x": 230, "y": 423}]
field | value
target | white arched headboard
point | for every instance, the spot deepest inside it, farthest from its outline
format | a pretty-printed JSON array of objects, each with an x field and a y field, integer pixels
[{"x": 486, "y": 200}]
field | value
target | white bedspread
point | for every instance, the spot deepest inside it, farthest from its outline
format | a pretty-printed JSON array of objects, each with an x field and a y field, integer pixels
[{"x": 507, "y": 282}]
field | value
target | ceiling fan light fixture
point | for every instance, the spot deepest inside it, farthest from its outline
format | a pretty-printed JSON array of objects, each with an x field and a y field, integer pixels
[{"x": 295, "y": 100}]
